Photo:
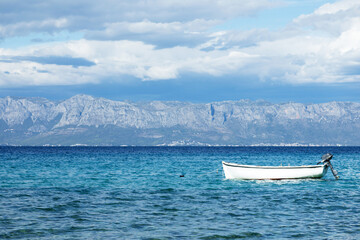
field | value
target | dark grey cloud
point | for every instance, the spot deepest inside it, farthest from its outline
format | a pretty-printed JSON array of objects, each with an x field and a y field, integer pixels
[
  {"x": 160, "y": 34},
  {"x": 99, "y": 19},
  {"x": 352, "y": 69},
  {"x": 57, "y": 60},
  {"x": 14, "y": 11}
]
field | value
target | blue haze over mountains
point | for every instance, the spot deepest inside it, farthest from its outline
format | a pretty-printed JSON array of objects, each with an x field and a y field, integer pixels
[{"x": 86, "y": 120}]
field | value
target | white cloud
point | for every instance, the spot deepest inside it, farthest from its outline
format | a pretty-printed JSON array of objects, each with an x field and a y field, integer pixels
[
  {"x": 322, "y": 47},
  {"x": 30, "y": 73},
  {"x": 115, "y": 58},
  {"x": 332, "y": 18},
  {"x": 334, "y": 8}
]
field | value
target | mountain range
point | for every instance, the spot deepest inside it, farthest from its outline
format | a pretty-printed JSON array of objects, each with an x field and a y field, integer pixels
[{"x": 86, "y": 120}]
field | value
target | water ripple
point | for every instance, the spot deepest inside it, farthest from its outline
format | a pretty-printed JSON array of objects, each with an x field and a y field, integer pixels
[{"x": 136, "y": 193}]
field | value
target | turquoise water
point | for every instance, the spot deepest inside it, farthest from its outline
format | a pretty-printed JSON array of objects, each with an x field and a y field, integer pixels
[{"x": 137, "y": 193}]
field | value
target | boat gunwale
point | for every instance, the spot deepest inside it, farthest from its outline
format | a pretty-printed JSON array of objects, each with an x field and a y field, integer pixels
[{"x": 270, "y": 167}]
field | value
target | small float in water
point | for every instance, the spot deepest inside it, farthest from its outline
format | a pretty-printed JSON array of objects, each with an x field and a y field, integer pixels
[{"x": 252, "y": 172}]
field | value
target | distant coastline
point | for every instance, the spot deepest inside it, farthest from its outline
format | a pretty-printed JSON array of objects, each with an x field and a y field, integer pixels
[
  {"x": 84, "y": 120},
  {"x": 204, "y": 145}
]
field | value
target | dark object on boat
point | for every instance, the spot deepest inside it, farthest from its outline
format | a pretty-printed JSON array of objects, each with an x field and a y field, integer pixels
[{"x": 325, "y": 159}]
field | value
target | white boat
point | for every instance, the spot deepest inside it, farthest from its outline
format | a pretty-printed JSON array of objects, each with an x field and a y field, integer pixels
[{"x": 252, "y": 172}]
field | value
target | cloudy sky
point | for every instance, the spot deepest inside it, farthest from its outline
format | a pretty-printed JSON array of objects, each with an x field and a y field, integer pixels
[{"x": 186, "y": 50}]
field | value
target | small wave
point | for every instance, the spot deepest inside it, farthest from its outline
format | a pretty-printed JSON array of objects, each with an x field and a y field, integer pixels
[
  {"x": 164, "y": 190},
  {"x": 21, "y": 233},
  {"x": 47, "y": 209},
  {"x": 171, "y": 210},
  {"x": 234, "y": 236},
  {"x": 298, "y": 235},
  {"x": 139, "y": 225}
]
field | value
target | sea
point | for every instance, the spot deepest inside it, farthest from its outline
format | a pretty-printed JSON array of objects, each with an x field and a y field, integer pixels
[{"x": 173, "y": 193}]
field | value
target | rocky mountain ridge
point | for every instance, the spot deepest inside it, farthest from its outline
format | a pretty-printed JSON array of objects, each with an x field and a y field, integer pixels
[{"x": 86, "y": 120}]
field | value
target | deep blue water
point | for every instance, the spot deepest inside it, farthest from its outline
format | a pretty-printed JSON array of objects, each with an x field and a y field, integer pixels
[{"x": 137, "y": 193}]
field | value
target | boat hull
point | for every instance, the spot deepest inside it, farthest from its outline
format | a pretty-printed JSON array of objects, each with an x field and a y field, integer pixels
[{"x": 250, "y": 172}]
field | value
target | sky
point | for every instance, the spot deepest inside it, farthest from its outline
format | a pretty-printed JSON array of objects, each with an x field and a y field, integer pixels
[{"x": 181, "y": 50}]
